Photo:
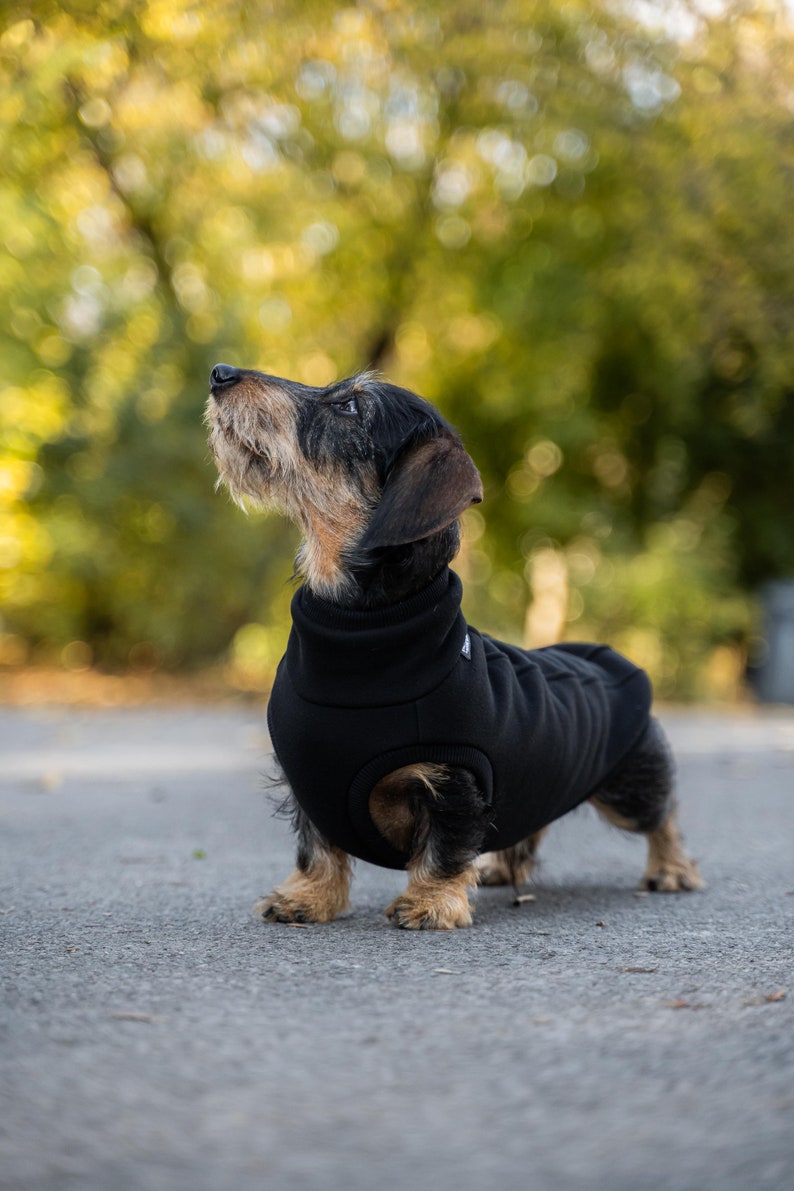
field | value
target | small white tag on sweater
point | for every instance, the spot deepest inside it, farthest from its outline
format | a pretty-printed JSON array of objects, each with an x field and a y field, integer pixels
[{"x": 466, "y": 650}]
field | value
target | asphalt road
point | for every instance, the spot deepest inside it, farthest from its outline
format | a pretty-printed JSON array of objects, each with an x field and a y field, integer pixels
[{"x": 155, "y": 1037}]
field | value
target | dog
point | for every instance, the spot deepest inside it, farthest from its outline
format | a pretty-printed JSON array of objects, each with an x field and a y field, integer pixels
[{"x": 407, "y": 738}]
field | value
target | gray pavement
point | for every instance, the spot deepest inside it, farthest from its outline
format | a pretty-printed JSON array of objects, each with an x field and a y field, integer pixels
[{"x": 156, "y": 1037}]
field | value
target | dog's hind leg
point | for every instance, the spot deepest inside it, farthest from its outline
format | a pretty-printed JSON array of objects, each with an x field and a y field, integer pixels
[
  {"x": 639, "y": 797},
  {"x": 319, "y": 887},
  {"x": 669, "y": 868},
  {"x": 438, "y": 815},
  {"x": 512, "y": 866}
]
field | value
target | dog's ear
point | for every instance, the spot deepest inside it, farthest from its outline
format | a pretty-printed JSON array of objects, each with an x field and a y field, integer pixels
[{"x": 428, "y": 489}]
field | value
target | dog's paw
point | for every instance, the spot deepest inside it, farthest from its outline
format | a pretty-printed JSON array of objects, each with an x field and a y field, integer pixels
[
  {"x": 674, "y": 876},
  {"x": 492, "y": 869},
  {"x": 300, "y": 899},
  {"x": 278, "y": 908},
  {"x": 416, "y": 911}
]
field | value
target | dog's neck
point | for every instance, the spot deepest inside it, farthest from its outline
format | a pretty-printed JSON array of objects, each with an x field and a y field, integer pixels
[{"x": 380, "y": 578}]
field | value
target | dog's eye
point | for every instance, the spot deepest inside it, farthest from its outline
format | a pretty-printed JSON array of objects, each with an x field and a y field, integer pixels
[{"x": 349, "y": 408}]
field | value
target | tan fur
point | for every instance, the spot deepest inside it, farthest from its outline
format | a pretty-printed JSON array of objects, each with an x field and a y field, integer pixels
[
  {"x": 389, "y": 801},
  {"x": 331, "y": 521},
  {"x": 612, "y": 816},
  {"x": 253, "y": 434},
  {"x": 432, "y": 902},
  {"x": 390, "y": 812},
  {"x": 512, "y": 866},
  {"x": 669, "y": 868},
  {"x": 317, "y": 895},
  {"x": 257, "y": 421}
]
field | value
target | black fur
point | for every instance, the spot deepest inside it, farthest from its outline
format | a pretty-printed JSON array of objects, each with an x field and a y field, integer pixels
[
  {"x": 641, "y": 791},
  {"x": 388, "y": 420},
  {"x": 388, "y": 424},
  {"x": 450, "y": 824},
  {"x": 374, "y": 432},
  {"x": 309, "y": 838},
  {"x": 386, "y": 576}
]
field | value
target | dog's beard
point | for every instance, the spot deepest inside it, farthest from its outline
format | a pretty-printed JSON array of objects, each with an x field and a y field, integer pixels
[{"x": 249, "y": 474}]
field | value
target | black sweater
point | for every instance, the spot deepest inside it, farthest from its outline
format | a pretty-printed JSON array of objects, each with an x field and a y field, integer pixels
[{"x": 360, "y": 694}]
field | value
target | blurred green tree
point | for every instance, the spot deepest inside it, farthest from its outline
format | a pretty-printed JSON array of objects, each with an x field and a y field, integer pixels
[{"x": 566, "y": 226}]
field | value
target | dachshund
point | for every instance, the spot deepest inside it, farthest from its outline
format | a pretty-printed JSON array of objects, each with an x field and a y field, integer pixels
[{"x": 409, "y": 739}]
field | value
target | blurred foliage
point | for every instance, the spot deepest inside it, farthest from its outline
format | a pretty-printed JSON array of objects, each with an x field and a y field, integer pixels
[{"x": 568, "y": 224}]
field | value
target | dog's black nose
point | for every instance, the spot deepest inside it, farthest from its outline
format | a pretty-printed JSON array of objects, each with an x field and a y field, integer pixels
[{"x": 223, "y": 376}]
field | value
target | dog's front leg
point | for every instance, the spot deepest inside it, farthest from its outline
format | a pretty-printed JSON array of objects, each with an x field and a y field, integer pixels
[
  {"x": 449, "y": 824},
  {"x": 319, "y": 887}
]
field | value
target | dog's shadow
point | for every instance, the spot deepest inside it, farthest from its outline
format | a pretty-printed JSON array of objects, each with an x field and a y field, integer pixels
[
  {"x": 552, "y": 905},
  {"x": 547, "y": 902}
]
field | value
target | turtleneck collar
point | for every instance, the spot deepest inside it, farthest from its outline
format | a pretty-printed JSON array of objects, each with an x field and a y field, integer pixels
[{"x": 342, "y": 657}]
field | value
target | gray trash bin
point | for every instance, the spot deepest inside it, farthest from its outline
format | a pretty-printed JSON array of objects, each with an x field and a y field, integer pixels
[{"x": 774, "y": 677}]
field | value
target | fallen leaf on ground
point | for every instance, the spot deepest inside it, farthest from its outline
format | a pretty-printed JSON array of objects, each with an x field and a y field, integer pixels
[
  {"x": 601, "y": 924},
  {"x": 775, "y": 996},
  {"x": 523, "y": 897},
  {"x": 656, "y": 969},
  {"x": 684, "y": 1005}
]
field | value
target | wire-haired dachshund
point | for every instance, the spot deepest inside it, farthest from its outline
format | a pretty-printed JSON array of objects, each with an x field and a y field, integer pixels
[{"x": 407, "y": 738}]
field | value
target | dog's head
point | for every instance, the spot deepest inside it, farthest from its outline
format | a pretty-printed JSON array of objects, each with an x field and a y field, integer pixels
[{"x": 360, "y": 465}]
